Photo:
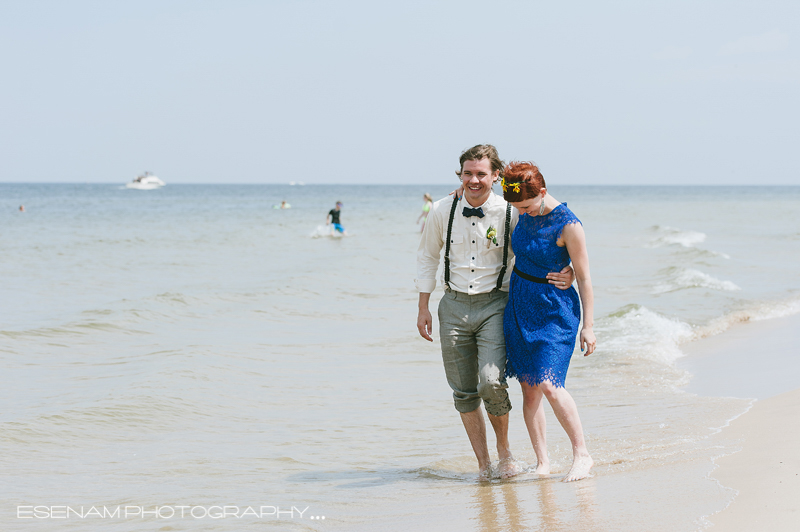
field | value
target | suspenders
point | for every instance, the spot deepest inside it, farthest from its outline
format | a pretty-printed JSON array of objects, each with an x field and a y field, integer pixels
[
  {"x": 506, "y": 238},
  {"x": 505, "y": 247},
  {"x": 447, "y": 244}
]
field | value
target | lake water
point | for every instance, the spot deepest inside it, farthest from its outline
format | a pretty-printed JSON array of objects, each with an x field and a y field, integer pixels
[{"x": 193, "y": 349}]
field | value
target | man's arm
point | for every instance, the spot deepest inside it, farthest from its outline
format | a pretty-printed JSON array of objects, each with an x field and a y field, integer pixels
[
  {"x": 424, "y": 318},
  {"x": 428, "y": 256}
]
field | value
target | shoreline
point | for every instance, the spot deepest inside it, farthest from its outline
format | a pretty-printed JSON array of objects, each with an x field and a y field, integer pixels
[{"x": 754, "y": 360}]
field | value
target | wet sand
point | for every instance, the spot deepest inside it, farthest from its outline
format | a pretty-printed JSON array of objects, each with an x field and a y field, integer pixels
[{"x": 755, "y": 360}]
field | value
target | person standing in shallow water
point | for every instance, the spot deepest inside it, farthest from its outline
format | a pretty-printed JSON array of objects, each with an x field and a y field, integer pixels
[
  {"x": 333, "y": 218},
  {"x": 474, "y": 232},
  {"x": 426, "y": 208},
  {"x": 540, "y": 324}
]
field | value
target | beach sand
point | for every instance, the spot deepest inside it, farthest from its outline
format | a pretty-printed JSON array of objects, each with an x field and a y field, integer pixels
[
  {"x": 766, "y": 472},
  {"x": 756, "y": 360}
]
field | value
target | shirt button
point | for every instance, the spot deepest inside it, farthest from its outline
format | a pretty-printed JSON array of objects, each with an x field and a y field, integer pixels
[
  {"x": 473, "y": 258},
  {"x": 472, "y": 270},
  {"x": 473, "y": 223},
  {"x": 473, "y": 241},
  {"x": 470, "y": 286}
]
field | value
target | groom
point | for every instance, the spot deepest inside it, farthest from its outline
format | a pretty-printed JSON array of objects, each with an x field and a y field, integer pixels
[{"x": 475, "y": 233}]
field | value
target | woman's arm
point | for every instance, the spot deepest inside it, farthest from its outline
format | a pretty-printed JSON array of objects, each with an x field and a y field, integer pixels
[{"x": 575, "y": 240}]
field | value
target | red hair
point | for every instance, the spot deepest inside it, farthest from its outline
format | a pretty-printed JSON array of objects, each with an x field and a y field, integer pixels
[{"x": 521, "y": 181}]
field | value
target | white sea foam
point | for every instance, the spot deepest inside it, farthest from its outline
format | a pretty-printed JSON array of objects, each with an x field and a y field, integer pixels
[
  {"x": 325, "y": 231},
  {"x": 760, "y": 311},
  {"x": 768, "y": 311},
  {"x": 704, "y": 253},
  {"x": 638, "y": 332},
  {"x": 671, "y": 236},
  {"x": 680, "y": 278}
]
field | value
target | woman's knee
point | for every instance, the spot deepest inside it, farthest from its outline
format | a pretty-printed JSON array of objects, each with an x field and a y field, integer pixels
[
  {"x": 530, "y": 394},
  {"x": 549, "y": 390}
]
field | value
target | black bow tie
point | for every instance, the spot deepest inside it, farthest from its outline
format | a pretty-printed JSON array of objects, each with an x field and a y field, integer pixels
[{"x": 473, "y": 212}]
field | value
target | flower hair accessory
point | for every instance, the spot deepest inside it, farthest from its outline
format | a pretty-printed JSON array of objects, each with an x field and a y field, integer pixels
[
  {"x": 514, "y": 186},
  {"x": 518, "y": 191}
]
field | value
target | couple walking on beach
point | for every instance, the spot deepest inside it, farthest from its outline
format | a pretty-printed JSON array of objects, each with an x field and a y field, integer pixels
[{"x": 509, "y": 308}]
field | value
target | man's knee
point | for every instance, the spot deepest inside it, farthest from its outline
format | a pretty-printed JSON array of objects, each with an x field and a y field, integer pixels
[
  {"x": 492, "y": 391},
  {"x": 495, "y": 397},
  {"x": 492, "y": 385}
]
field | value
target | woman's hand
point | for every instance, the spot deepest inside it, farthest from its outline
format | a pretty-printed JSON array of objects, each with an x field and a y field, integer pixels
[
  {"x": 458, "y": 192},
  {"x": 588, "y": 341},
  {"x": 562, "y": 279}
]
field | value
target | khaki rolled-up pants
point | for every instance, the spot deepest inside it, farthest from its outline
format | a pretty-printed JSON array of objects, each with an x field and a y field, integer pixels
[{"x": 474, "y": 349}]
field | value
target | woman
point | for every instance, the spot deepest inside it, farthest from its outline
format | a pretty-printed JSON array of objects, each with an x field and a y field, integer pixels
[
  {"x": 425, "y": 210},
  {"x": 540, "y": 323}
]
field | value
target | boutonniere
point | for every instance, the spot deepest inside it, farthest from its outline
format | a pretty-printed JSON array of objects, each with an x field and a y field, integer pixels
[{"x": 491, "y": 236}]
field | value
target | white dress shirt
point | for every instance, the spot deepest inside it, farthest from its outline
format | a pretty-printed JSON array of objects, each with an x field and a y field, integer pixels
[{"x": 475, "y": 262}]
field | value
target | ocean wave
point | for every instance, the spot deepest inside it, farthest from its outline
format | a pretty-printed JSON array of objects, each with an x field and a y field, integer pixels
[
  {"x": 635, "y": 331},
  {"x": 699, "y": 253},
  {"x": 678, "y": 278},
  {"x": 73, "y": 329},
  {"x": 127, "y": 321},
  {"x": 671, "y": 236},
  {"x": 757, "y": 311}
]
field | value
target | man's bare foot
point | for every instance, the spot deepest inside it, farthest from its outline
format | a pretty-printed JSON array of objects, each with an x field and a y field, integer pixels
[
  {"x": 485, "y": 474},
  {"x": 542, "y": 469},
  {"x": 580, "y": 468},
  {"x": 508, "y": 467}
]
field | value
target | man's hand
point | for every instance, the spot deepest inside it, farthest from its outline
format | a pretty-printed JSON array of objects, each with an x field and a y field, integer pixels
[
  {"x": 424, "y": 324},
  {"x": 562, "y": 279}
]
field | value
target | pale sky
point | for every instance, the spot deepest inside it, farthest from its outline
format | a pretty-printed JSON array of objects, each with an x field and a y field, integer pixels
[{"x": 639, "y": 92}]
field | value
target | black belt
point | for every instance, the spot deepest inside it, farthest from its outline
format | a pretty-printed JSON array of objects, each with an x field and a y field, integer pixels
[{"x": 539, "y": 280}]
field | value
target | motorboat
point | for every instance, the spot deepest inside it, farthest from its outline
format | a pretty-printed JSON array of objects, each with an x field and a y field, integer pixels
[{"x": 146, "y": 181}]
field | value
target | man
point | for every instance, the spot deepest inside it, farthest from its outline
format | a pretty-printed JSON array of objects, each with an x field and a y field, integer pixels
[
  {"x": 333, "y": 217},
  {"x": 475, "y": 232}
]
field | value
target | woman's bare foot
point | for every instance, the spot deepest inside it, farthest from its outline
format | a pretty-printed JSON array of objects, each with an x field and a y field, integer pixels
[
  {"x": 485, "y": 474},
  {"x": 580, "y": 468},
  {"x": 542, "y": 468},
  {"x": 508, "y": 467}
]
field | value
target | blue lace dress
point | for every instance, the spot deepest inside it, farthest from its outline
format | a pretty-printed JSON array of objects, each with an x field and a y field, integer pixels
[{"x": 540, "y": 321}]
